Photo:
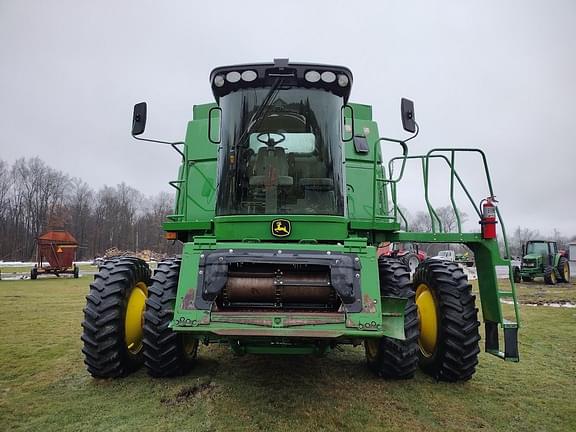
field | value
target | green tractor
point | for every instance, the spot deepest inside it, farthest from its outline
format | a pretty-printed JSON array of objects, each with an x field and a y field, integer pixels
[
  {"x": 282, "y": 199},
  {"x": 540, "y": 258}
]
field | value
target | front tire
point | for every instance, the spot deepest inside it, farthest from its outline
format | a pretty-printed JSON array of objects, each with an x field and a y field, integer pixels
[
  {"x": 112, "y": 323},
  {"x": 516, "y": 274},
  {"x": 448, "y": 321},
  {"x": 166, "y": 353},
  {"x": 393, "y": 358}
]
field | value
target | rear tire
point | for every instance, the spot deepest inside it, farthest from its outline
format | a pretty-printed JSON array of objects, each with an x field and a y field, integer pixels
[
  {"x": 393, "y": 358},
  {"x": 516, "y": 274},
  {"x": 107, "y": 353},
  {"x": 166, "y": 353},
  {"x": 550, "y": 275},
  {"x": 448, "y": 321},
  {"x": 563, "y": 269}
]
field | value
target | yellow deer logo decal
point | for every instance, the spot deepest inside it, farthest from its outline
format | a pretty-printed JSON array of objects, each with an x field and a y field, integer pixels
[{"x": 281, "y": 227}]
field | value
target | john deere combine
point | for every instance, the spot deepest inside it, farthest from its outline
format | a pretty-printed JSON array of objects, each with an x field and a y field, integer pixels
[{"x": 282, "y": 199}]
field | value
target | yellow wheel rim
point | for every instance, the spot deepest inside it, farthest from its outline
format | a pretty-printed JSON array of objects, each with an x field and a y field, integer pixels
[
  {"x": 428, "y": 319},
  {"x": 553, "y": 277},
  {"x": 566, "y": 272},
  {"x": 134, "y": 321}
]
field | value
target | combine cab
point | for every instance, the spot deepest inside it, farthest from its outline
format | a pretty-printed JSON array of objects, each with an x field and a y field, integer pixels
[{"x": 282, "y": 200}]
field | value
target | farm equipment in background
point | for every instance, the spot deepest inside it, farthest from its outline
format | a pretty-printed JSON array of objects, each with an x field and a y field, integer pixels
[
  {"x": 55, "y": 254},
  {"x": 541, "y": 258},
  {"x": 409, "y": 253},
  {"x": 460, "y": 258},
  {"x": 282, "y": 199}
]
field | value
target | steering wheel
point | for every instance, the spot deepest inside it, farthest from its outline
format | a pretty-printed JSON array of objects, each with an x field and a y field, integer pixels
[{"x": 270, "y": 141}]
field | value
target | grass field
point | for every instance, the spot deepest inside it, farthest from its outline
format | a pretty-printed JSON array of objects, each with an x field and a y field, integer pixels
[{"x": 44, "y": 386}]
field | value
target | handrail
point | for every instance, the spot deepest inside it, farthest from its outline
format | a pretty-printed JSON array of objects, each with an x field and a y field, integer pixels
[
  {"x": 431, "y": 210},
  {"x": 454, "y": 177},
  {"x": 375, "y": 172}
]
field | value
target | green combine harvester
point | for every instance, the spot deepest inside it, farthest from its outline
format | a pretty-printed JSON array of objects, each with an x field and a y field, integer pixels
[{"x": 282, "y": 199}]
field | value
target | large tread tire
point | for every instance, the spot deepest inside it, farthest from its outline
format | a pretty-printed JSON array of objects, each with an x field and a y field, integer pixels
[
  {"x": 394, "y": 358},
  {"x": 516, "y": 274},
  {"x": 550, "y": 275},
  {"x": 563, "y": 269},
  {"x": 105, "y": 352},
  {"x": 455, "y": 355},
  {"x": 166, "y": 353}
]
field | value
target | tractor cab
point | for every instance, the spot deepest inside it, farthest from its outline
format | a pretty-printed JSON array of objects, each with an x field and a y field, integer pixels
[
  {"x": 539, "y": 253},
  {"x": 280, "y": 138}
]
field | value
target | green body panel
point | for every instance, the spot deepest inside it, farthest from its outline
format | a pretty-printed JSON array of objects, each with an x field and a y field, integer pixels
[
  {"x": 233, "y": 325},
  {"x": 367, "y": 222},
  {"x": 538, "y": 269},
  {"x": 304, "y": 227}
]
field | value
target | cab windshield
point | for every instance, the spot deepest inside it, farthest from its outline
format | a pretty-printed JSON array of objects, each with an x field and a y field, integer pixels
[
  {"x": 537, "y": 249},
  {"x": 280, "y": 152}
]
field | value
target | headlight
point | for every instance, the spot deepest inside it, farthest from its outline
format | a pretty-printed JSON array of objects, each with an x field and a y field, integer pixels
[
  {"x": 233, "y": 77},
  {"x": 312, "y": 76},
  {"x": 328, "y": 77},
  {"x": 249, "y": 75},
  {"x": 219, "y": 80}
]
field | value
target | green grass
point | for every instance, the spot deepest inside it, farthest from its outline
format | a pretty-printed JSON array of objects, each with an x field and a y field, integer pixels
[{"x": 44, "y": 386}]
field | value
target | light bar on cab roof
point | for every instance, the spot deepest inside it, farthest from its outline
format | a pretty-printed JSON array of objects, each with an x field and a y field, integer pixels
[{"x": 227, "y": 79}]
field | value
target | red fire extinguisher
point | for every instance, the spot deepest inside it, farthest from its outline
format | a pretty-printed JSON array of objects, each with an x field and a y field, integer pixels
[{"x": 488, "y": 221}]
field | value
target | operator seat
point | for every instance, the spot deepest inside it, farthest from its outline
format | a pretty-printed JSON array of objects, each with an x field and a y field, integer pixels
[{"x": 271, "y": 168}]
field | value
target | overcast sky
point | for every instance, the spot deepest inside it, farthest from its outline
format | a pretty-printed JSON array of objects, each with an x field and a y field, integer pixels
[{"x": 497, "y": 75}]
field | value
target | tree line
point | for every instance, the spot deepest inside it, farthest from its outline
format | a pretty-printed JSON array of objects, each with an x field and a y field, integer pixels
[
  {"x": 35, "y": 198},
  {"x": 421, "y": 222}
]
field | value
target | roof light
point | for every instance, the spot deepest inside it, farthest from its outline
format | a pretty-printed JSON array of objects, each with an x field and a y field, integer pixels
[
  {"x": 219, "y": 80},
  {"x": 343, "y": 80},
  {"x": 312, "y": 76},
  {"x": 249, "y": 75},
  {"x": 328, "y": 77},
  {"x": 233, "y": 77}
]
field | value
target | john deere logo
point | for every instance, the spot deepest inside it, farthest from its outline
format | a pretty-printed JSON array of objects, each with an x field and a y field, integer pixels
[{"x": 281, "y": 227}]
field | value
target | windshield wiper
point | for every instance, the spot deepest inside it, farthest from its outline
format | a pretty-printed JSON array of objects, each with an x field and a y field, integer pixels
[{"x": 258, "y": 116}]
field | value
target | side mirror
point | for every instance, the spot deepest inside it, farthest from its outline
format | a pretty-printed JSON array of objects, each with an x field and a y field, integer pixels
[
  {"x": 139, "y": 118},
  {"x": 407, "y": 111}
]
